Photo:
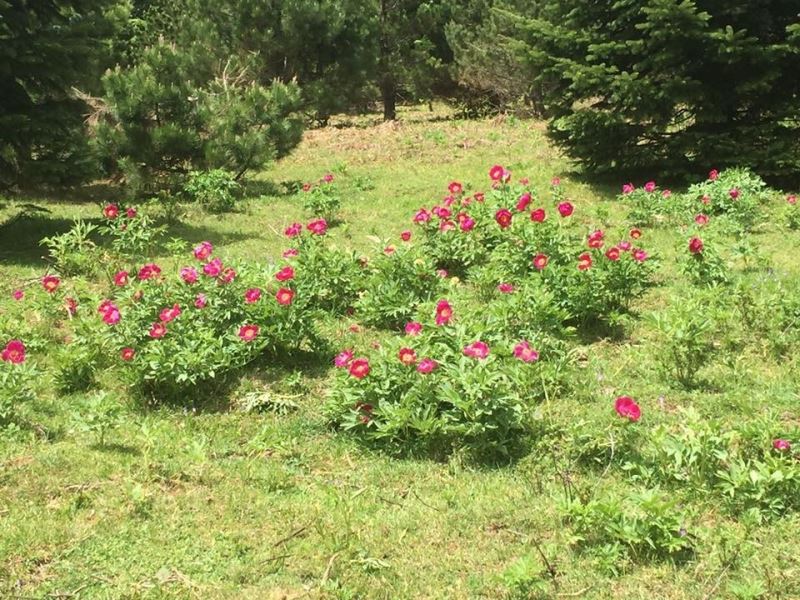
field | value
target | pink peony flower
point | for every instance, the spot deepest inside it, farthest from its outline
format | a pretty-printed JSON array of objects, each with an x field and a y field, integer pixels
[
  {"x": 595, "y": 239},
  {"x": 639, "y": 255},
  {"x": 413, "y": 328},
  {"x": 252, "y": 295},
  {"x": 422, "y": 216},
  {"x": 650, "y": 186},
  {"x": 203, "y": 251},
  {"x": 706, "y": 199},
  {"x": 426, "y": 365},
  {"x": 503, "y": 218},
  {"x": 50, "y": 283},
  {"x": 628, "y": 188},
  {"x": 285, "y": 274},
  {"x": 624, "y": 245},
  {"x": 479, "y": 197},
  {"x": 666, "y": 193},
  {"x": 130, "y": 212},
  {"x": 407, "y": 356},
  {"x": 405, "y": 235},
  {"x": 701, "y": 219},
  {"x": 18, "y": 295},
  {"x": 290, "y": 253},
  {"x": 497, "y": 173},
  {"x": 734, "y": 193},
  {"x": 149, "y": 271},
  {"x": 477, "y": 349},
  {"x": 525, "y": 353},
  {"x": 627, "y": 408},
  {"x": 444, "y": 312},
  {"x": 359, "y": 368},
  {"x": 248, "y": 333},
  {"x": 111, "y": 211},
  {"x": 284, "y": 296},
  {"x": 189, "y": 275},
  {"x": 442, "y": 212},
  {"x": 228, "y": 274},
  {"x": 14, "y": 352},
  {"x": 696, "y": 245},
  {"x": 713, "y": 174},
  {"x": 318, "y": 227},
  {"x": 446, "y": 225},
  {"x": 468, "y": 224},
  {"x": 121, "y": 278},
  {"x": 213, "y": 268},
  {"x": 343, "y": 358},
  {"x": 791, "y": 199},
  {"x": 127, "y": 354},
  {"x": 612, "y": 253},
  {"x": 169, "y": 314},
  {"x": 523, "y": 202},
  {"x": 781, "y": 445},
  {"x": 455, "y": 188},
  {"x": 441, "y": 273},
  {"x": 538, "y": 215},
  {"x": 540, "y": 261},
  {"x": 327, "y": 178},
  {"x": 585, "y": 262},
  {"x": 293, "y": 230},
  {"x": 565, "y": 209},
  {"x": 505, "y": 288},
  {"x": 555, "y": 181},
  {"x": 200, "y": 301},
  {"x": 158, "y": 330}
]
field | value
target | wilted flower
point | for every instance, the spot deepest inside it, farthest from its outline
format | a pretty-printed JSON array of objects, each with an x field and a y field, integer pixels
[
  {"x": 71, "y": 306},
  {"x": 422, "y": 216},
  {"x": 149, "y": 271},
  {"x": 639, "y": 255},
  {"x": 624, "y": 245},
  {"x": 713, "y": 174},
  {"x": 290, "y": 253},
  {"x": 130, "y": 212},
  {"x": 595, "y": 239},
  {"x": 343, "y": 358},
  {"x": 200, "y": 301},
  {"x": 228, "y": 274},
  {"x": 626, "y": 407}
]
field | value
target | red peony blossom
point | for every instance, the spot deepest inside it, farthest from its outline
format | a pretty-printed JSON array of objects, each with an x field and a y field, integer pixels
[
  {"x": 627, "y": 408},
  {"x": 111, "y": 211},
  {"x": 359, "y": 368},
  {"x": 130, "y": 212},
  {"x": 158, "y": 330},
  {"x": 628, "y": 188},
  {"x": 538, "y": 215},
  {"x": 734, "y": 193},
  {"x": 467, "y": 224},
  {"x": 252, "y": 296},
  {"x": 565, "y": 209},
  {"x": 540, "y": 261},
  {"x": 503, "y": 218},
  {"x": 624, "y": 245},
  {"x": 343, "y": 358},
  {"x": 639, "y": 255},
  {"x": 422, "y": 216},
  {"x": 203, "y": 251},
  {"x": 444, "y": 312},
  {"x": 525, "y": 353},
  {"x": 189, "y": 275},
  {"x": 455, "y": 188},
  {"x": 701, "y": 219},
  {"x": 290, "y": 253},
  {"x": 17, "y": 295},
  {"x": 635, "y": 233},
  {"x": 584, "y": 261},
  {"x": 781, "y": 445},
  {"x": 14, "y": 352},
  {"x": 446, "y": 225},
  {"x": 213, "y": 268},
  {"x": 354, "y": 328},
  {"x": 713, "y": 174},
  {"x": 121, "y": 278},
  {"x": 612, "y": 253},
  {"x": 170, "y": 314},
  {"x": 666, "y": 193},
  {"x": 50, "y": 283},
  {"x": 405, "y": 235},
  {"x": 407, "y": 356},
  {"x": 479, "y": 197},
  {"x": 791, "y": 199},
  {"x": 650, "y": 186},
  {"x": 327, "y": 178},
  {"x": 477, "y": 349},
  {"x": 413, "y": 328},
  {"x": 200, "y": 301},
  {"x": 695, "y": 245},
  {"x": 318, "y": 227},
  {"x": 497, "y": 173},
  {"x": 127, "y": 354},
  {"x": 595, "y": 239},
  {"x": 523, "y": 201},
  {"x": 149, "y": 271},
  {"x": 285, "y": 274},
  {"x": 109, "y": 312},
  {"x": 293, "y": 230},
  {"x": 505, "y": 288},
  {"x": 249, "y": 332},
  {"x": 426, "y": 365},
  {"x": 284, "y": 296}
]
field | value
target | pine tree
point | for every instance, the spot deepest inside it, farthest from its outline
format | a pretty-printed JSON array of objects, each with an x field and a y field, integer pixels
[{"x": 666, "y": 85}]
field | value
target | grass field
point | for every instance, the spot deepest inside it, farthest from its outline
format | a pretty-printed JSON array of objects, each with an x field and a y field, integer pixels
[{"x": 223, "y": 503}]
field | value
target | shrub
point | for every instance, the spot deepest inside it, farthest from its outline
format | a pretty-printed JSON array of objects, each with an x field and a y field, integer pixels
[
  {"x": 322, "y": 200},
  {"x": 73, "y": 252},
  {"x": 16, "y": 379},
  {"x": 216, "y": 190},
  {"x": 738, "y": 194}
]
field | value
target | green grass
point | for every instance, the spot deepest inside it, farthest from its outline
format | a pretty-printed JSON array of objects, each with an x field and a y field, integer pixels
[{"x": 228, "y": 504}]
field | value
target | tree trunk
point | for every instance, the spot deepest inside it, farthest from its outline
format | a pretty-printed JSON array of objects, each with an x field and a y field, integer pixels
[
  {"x": 387, "y": 84},
  {"x": 389, "y": 93}
]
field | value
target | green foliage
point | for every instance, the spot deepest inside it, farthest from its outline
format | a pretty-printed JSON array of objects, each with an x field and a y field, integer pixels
[
  {"x": 678, "y": 87},
  {"x": 322, "y": 200},
  {"x": 216, "y": 190},
  {"x": 16, "y": 388},
  {"x": 100, "y": 416},
  {"x": 73, "y": 252}
]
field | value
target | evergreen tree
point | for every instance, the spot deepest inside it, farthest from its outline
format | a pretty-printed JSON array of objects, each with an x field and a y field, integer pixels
[
  {"x": 49, "y": 47},
  {"x": 677, "y": 86}
]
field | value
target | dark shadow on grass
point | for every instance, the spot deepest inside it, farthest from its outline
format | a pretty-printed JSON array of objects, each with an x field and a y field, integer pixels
[
  {"x": 92, "y": 193},
  {"x": 116, "y": 449},
  {"x": 20, "y": 237},
  {"x": 197, "y": 233}
]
